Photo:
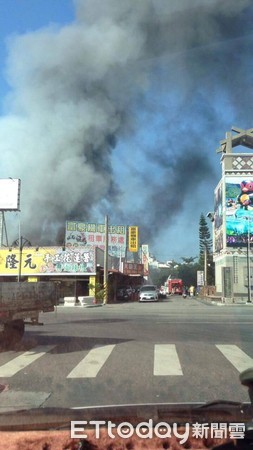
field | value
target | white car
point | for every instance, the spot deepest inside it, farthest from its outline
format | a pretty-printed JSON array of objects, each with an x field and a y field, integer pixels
[{"x": 148, "y": 293}]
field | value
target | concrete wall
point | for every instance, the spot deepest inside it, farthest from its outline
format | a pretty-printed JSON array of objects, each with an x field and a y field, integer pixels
[{"x": 238, "y": 269}]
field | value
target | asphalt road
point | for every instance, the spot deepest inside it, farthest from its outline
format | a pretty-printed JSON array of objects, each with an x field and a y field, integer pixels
[{"x": 177, "y": 350}]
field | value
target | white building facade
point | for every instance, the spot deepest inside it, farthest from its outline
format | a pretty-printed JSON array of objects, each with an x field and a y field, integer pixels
[{"x": 233, "y": 220}]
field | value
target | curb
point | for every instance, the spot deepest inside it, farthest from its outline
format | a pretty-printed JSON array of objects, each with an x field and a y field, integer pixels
[{"x": 216, "y": 303}]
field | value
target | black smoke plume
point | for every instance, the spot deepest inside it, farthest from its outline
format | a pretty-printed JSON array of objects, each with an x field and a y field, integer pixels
[{"x": 78, "y": 91}]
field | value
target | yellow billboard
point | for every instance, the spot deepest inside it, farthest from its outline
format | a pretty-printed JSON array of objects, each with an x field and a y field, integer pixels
[
  {"x": 133, "y": 239},
  {"x": 34, "y": 261}
]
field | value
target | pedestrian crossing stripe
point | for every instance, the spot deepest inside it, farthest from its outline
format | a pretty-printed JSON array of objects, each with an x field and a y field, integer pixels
[
  {"x": 240, "y": 360},
  {"x": 22, "y": 361},
  {"x": 92, "y": 362},
  {"x": 166, "y": 360}
]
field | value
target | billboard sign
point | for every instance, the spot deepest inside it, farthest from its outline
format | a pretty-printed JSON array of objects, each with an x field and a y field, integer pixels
[
  {"x": 47, "y": 261},
  {"x": 133, "y": 239},
  {"x": 10, "y": 194},
  {"x": 239, "y": 210},
  {"x": 84, "y": 234},
  {"x": 133, "y": 269}
]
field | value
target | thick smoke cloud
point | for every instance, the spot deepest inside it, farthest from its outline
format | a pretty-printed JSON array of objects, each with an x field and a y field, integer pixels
[{"x": 78, "y": 91}]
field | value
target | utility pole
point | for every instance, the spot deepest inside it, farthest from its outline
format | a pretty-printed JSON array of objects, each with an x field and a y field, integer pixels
[
  {"x": 106, "y": 263},
  {"x": 205, "y": 270}
]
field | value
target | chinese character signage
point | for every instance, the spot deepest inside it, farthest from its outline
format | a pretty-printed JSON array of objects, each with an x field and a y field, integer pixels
[
  {"x": 133, "y": 239},
  {"x": 92, "y": 234},
  {"x": 47, "y": 261},
  {"x": 200, "y": 278},
  {"x": 133, "y": 269}
]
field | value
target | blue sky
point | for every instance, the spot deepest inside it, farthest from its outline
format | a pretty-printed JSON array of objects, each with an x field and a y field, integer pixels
[
  {"x": 22, "y": 16},
  {"x": 150, "y": 100}
]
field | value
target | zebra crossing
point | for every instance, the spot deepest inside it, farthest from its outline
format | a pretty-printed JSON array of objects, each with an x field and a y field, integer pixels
[{"x": 166, "y": 361}]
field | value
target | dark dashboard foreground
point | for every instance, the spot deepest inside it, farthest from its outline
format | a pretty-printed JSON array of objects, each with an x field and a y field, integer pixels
[{"x": 50, "y": 428}]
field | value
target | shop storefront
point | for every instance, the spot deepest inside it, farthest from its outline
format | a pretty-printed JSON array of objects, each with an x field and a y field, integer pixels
[{"x": 77, "y": 270}]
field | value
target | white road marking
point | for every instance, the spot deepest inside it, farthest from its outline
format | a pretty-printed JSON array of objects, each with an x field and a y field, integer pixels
[
  {"x": 166, "y": 361},
  {"x": 200, "y": 322},
  {"x": 240, "y": 360},
  {"x": 92, "y": 362},
  {"x": 25, "y": 359}
]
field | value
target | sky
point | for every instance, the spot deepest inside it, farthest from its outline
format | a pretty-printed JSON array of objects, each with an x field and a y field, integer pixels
[{"x": 115, "y": 107}]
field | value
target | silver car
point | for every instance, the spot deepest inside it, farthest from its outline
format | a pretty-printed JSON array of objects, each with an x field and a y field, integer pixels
[{"x": 148, "y": 293}]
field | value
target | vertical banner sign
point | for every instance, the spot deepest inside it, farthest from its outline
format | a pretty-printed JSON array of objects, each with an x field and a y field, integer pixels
[
  {"x": 133, "y": 239},
  {"x": 200, "y": 278},
  {"x": 145, "y": 257}
]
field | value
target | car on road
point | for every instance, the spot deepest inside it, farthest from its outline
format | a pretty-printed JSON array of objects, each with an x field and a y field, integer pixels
[{"x": 148, "y": 293}]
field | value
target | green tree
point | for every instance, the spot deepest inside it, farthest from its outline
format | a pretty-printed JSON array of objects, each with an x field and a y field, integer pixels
[
  {"x": 205, "y": 241},
  {"x": 98, "y": 291},
  {"x": 189, "y": 260},
  {"x": 205, "y": 244}
]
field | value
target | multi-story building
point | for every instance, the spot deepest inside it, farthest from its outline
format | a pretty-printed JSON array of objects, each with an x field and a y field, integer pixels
[{"x": 233, "y": 218}]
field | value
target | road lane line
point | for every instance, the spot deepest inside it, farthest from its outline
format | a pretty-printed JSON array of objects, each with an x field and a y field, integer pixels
[
  {"x": 25, "y": 359},
  {"x": 92, "y": 362},
  {"x": 240, "y": 360},
  {"x": 200, "y": 322},
  {"x": 166, "y": 361}
]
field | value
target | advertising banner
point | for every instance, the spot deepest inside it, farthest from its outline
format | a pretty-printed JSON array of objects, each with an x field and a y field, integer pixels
[
  {"x": 133, "y": 239},
  {"x": 83, "y": 234},
  {"x": 145, "y": 258},
  {"x": 239, "y": 210},
  {"x": 47, "y": 261}
]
